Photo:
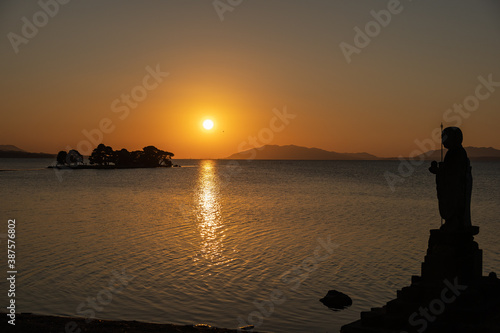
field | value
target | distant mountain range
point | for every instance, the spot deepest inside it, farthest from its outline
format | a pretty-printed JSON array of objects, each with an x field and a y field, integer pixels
[
  {"x": 11, "y": 151},
  {"x": 474, "y": 153},
  {"x": 9, "y": 148},
  {"x": 292, "y": 152}
]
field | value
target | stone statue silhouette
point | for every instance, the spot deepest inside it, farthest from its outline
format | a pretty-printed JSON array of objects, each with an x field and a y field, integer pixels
[
  {"x": 453, "y": 266},
  {"x": 454, "y": 182}
]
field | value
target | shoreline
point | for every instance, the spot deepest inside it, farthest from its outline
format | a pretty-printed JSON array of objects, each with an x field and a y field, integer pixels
[
  {"x": 108, "y": 167},
  {"x": 29, "y": 322}
]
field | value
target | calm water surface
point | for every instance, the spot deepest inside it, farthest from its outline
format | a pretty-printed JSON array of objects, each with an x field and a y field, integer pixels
[{"x": 216, "y": 242}]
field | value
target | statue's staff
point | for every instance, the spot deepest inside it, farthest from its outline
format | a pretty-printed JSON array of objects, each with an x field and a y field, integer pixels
[{"x": 441, "y": 158}]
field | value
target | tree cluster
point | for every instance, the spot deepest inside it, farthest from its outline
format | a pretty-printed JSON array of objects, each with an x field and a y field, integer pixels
[
  {"x": 73, "y": 157},
  {"x": 103, "y": 155},
  {"x": 149, "y": 156}
]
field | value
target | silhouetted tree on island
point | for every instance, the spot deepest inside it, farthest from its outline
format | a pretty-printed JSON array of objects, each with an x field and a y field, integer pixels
[
  {"x": 105, "y": 156},
  {"x": 153, "y": 156},
  {"x": 61, "y": 157},
  {"x": 149, "y": 157},
  {"x": 123, "y": 158},
  {"x": 73, "y": 157},
  {"x": 102, "y": 155}
]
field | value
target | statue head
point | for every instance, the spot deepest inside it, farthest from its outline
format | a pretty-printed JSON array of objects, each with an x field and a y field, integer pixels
[{"x": 452, "y": 137}]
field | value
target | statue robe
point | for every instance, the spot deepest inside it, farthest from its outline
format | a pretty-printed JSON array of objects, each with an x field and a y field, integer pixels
[{"x": 454, "y": 188}]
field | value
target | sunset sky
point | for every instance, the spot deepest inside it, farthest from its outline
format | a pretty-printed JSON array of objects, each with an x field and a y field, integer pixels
[{"x": 235, "y": 64}]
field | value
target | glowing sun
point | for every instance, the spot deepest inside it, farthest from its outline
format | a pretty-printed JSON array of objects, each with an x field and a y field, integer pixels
[{"x": 208, "y": 124}]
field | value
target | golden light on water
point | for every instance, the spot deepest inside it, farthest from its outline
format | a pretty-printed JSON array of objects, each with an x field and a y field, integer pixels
[{"x": 209, "y": 217}]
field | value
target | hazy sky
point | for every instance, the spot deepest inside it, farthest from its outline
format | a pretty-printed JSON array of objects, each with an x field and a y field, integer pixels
[{"x": 348, "y": 76}]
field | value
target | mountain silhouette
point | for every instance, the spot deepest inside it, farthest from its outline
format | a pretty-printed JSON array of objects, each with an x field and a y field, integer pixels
[
  {"x": 10, "y": 148},
  {"x": 11, "y": 151},
  {"x": 474, "y": 153},
  {"x": 292, "y": 152}
]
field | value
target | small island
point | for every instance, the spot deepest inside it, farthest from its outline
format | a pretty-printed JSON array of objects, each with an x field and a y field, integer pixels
[{"x": 104, "y": 157}]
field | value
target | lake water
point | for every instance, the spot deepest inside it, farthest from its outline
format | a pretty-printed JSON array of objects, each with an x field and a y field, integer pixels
[{"x": 226, "y": 243}]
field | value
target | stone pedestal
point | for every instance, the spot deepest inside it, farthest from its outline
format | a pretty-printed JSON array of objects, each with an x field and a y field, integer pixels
[
  {"x": 452, "y": 254},
  {"x": 451, "y": 295}
]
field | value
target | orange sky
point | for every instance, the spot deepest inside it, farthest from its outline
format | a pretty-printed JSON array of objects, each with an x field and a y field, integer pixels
[{"x": 264, "y": 56}]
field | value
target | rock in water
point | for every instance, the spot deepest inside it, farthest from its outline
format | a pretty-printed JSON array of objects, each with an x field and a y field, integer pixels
[{"x": 336, "y": 300}]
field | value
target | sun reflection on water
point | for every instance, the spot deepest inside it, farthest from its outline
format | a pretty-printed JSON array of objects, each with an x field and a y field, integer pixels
[{"x": 209, "y": 219}]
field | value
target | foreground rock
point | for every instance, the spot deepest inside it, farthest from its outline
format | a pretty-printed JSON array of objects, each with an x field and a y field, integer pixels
[{"x": 336, "y": 300}]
